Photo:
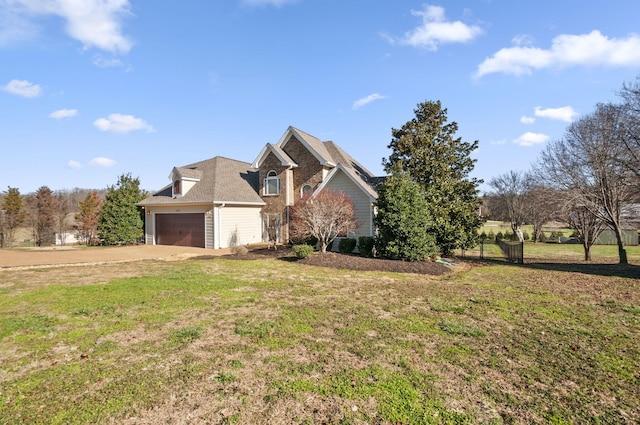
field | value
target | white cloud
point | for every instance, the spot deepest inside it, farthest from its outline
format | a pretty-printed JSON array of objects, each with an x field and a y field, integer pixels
[
  {"x": 522, "y": 40},
  {"x": 74, "y": 164},
  {"x": 436, "y": 30},
  {"x": 566, "y": 113},
  {"x": 95, "y": 23},
  {"x": 365, "y": 100},
  {"x": 22, "y": 88},
  {"x": 102, "y": 162},
  {"x": 530, "y": 139},
  {"x": 527, "y": 120},
  {"x": 63, "y": 113},
  {"x": 102, "y": 62},
  {"x": 276, "y": 3},
  {"x": 119, "y": 123},
  {"x": 566, "y": 50},
  {"x": 13, "y": 26}
]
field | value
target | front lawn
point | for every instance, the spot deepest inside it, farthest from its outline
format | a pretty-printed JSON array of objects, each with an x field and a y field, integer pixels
[{"x": 269, "y": 341}]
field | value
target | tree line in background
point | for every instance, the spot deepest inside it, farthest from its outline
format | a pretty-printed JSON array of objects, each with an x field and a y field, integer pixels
[
  {"x": 108, "y": 216},
  {"x": 589, "y": 179}
]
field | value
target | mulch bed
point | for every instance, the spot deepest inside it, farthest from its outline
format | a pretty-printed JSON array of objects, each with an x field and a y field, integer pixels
[{"x": 350, "y": 261}]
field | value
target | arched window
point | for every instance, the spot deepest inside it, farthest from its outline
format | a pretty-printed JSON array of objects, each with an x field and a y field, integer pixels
[
  {"x": 272, "y": 183},
  {"x": 306, "y": 190},
  {"x": 177, "y": 188}
]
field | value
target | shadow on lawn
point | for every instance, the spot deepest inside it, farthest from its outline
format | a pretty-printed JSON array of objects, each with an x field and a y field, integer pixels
[
  {"x": 622, "y": 270},
  {"x": 629, "y": 270}
]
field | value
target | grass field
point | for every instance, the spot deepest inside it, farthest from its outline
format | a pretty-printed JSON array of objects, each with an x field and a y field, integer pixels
[
  {"x": 554, "y": 252},
  {"x": 268, "y": 341}
]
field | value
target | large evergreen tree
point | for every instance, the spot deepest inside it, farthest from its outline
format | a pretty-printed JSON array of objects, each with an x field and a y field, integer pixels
[
  {"x": 429, "y": 151},
  {"x": 12, "y": 215},
  {"x": 120, "y": 221},
  {"x": 402, "y": 218}
]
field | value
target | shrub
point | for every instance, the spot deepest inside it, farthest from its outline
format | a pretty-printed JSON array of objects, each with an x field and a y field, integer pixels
[
  {"x": 365, "y": 246},
  {"x": 302, "y": 251},
  {"x": 403, "y": 220},
  {"x": 525, "y": 236},
  {"x": 491, "y": 235},
  {"x": 239, "y": 250},
  {"x": 347, "y": 245},
  {"x": 499, "y": 235},
  {"x": 311, "y": 240}
]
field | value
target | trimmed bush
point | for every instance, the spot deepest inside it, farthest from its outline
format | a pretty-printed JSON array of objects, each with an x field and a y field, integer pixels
[
  {"x": 499, "y": 235},
  {"x": 239, "y": 250},
  {"x": 365, "y": 246},
  {"x": 403, "y": 220},
  {"x": 347, "y": 245},
  {"x": 302, "y": 251},
  {"x": 491, "y": 236}
]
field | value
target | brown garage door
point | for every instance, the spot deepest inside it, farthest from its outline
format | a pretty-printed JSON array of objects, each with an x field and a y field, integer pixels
[{"x": 180, "y": 229}]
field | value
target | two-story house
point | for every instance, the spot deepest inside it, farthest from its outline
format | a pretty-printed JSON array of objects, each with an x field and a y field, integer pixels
[{"x": 221, "y": 202}]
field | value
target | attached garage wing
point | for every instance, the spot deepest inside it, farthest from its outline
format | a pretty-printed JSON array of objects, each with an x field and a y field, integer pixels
[{"x": 185, "y": 229}]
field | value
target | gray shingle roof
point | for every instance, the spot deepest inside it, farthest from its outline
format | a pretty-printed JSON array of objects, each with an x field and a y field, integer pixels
[
  {"x": 190, "y": 173},
  {"x": 221, "y": 180}
]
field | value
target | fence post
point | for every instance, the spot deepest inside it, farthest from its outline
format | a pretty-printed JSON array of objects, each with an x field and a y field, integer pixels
[{"x": 521, "y": 252}]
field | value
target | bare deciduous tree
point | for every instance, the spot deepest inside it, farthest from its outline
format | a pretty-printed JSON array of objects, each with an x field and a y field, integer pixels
[
  {"x": 41, "y": 216},
  {"x": 630, "y": 94},
  {"x": 88, "y": 216},
  {"x": 61, "y": 210},
  {"x": 542, "y": 206},
  {"x": 585, "y": 163},
  {"x": 587, "y": 225},
  {"x": 509, "y": 199},
  {"x": 325, "y": 216}
]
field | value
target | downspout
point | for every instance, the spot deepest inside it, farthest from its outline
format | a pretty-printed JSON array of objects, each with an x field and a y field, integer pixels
[{"x": 289, "y": 189}]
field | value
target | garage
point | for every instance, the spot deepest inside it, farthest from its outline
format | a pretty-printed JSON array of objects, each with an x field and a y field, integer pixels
[{"x": 185, "y": 229}]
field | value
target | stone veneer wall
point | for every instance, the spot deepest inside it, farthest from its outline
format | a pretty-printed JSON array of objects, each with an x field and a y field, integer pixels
[{"x": 309, "y": 170}]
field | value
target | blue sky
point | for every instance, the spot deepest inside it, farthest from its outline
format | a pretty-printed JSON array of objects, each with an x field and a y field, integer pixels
[{"x": 92, "y": 89}]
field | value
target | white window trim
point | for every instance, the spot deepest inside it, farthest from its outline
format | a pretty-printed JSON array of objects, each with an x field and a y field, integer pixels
[{"x": 269, "y": 179}]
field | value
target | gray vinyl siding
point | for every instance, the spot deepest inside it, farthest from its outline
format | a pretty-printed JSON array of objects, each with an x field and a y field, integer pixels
[
  {"x": 239, "y": 226},
  {"x": 342, "y": 183},
  {"x": 148, "y": 228},
  {"x": 208, "y": 230}
]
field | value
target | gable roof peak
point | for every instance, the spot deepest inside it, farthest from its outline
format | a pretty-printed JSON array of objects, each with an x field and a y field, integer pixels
[
  {"x": 312, "y": 143},
  {"x": 282, "y": 156}
]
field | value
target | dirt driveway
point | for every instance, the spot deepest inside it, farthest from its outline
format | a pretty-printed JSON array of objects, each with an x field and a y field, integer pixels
[{"x": 54, "y": 256}]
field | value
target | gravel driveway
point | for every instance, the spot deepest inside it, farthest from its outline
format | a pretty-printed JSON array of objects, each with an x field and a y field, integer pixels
[{"x": 67, "y": 255}]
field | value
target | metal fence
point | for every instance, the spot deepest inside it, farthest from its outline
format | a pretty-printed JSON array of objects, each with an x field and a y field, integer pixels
[{"x": 514, "y": 251}]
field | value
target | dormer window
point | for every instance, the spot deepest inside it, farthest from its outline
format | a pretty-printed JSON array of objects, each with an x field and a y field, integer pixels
[
  {"x": 272, "y": 183},
  {"x": 177, "y": 188}
]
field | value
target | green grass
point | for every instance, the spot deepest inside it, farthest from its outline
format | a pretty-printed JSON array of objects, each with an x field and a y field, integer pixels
[
  {"x": 564, "y": 252},
  {"x": 501, "y": 226},
  {"x": 231, "y": 341}
]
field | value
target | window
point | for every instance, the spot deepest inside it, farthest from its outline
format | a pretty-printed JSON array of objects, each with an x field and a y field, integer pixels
[
  {"x": 177, "y": 188},
  {"x": 272, "y": 184},
  {"x": 306, "y": 190}
]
